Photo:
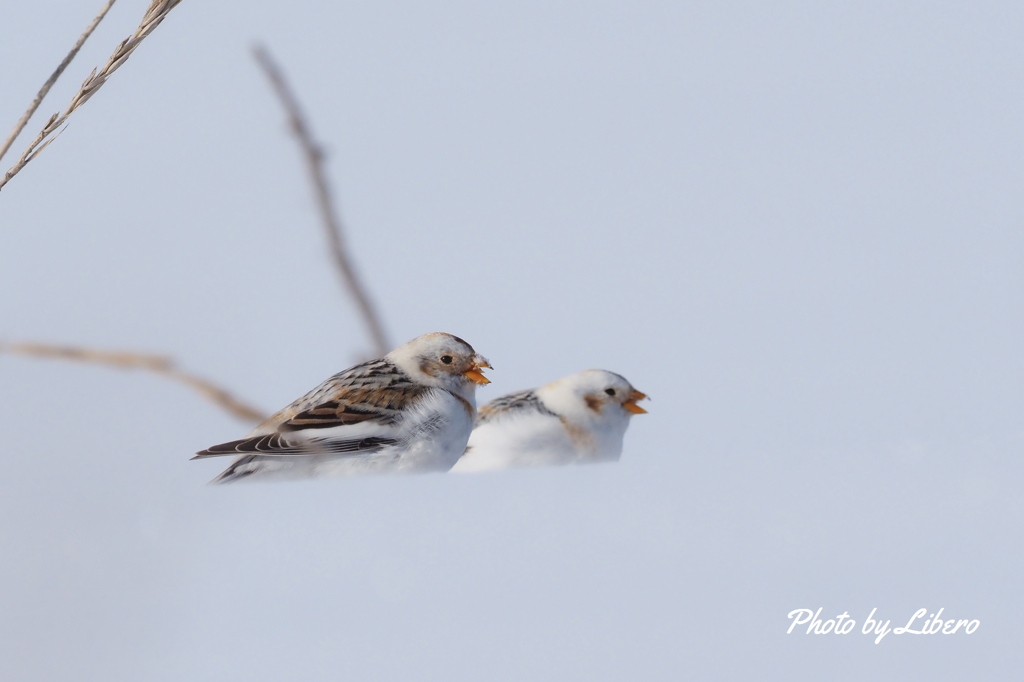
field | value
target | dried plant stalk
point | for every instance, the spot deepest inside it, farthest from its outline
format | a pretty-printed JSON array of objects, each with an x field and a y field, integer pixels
[
  {"x": 314, "y": 156},
  {"x": 156, "y": 13},
  {"x": 157, "y": 364},
  {"x": 43, "y": 91}
]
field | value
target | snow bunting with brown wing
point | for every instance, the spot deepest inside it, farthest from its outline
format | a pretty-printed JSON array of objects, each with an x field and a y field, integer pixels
[
  {"x": 410, "y": 411},
  {"x": 580, "y": 418}
]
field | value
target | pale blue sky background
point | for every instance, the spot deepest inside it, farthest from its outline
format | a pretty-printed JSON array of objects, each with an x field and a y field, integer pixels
[{"x": 797, "y": 227}]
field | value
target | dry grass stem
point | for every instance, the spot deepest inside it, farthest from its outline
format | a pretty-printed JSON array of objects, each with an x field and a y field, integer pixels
[
  {"x": 157, "y": 364},
  {"x": 43, "y": 91},
  {"x": 156, "y": 13},
  {"x": 314, "y": 156}
]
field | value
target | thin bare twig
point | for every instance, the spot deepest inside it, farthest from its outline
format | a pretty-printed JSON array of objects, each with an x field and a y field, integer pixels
[
  {"x": 314, "y": 155},
  {"x": 43, "y": 91},
  {"x": 157, "y": 364},
  {"x": 156, "y": 13}
]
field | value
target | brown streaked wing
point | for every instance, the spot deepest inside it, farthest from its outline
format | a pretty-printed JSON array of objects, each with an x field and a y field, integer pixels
[
  {"x": 523, "y": 401},
  {"x": 354, "y": 405},
  {"x": 374, "y": 390},
  {"x": 333, "y": 413}
]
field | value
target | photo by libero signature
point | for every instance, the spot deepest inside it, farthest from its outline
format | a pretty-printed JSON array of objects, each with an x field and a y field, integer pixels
[{"x": 844, "y": 625}]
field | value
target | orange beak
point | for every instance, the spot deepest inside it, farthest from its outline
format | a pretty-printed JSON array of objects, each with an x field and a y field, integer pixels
[
  {"x": 474, "y": 374},
  {"x": 631, "y": 406}
]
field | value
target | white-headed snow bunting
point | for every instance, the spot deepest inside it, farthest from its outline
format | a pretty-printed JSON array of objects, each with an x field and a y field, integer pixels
[
  {"x": 580, "y": 418},
  {"x": 410, "y": 411}
]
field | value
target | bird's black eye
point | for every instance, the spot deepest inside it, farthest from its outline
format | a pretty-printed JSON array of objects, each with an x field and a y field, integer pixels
[
  {"x": 446, "y": 359},
  {"x": 610, "y": 391}
]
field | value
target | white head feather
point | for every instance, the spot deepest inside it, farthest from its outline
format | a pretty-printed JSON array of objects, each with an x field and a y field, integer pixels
[{"x": 443, "y": 361}]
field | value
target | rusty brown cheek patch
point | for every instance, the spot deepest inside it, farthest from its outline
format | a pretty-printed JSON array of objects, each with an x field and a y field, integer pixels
[
  {"x": 432, "y": 369},
  {"x": 593, "y": 403}
]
